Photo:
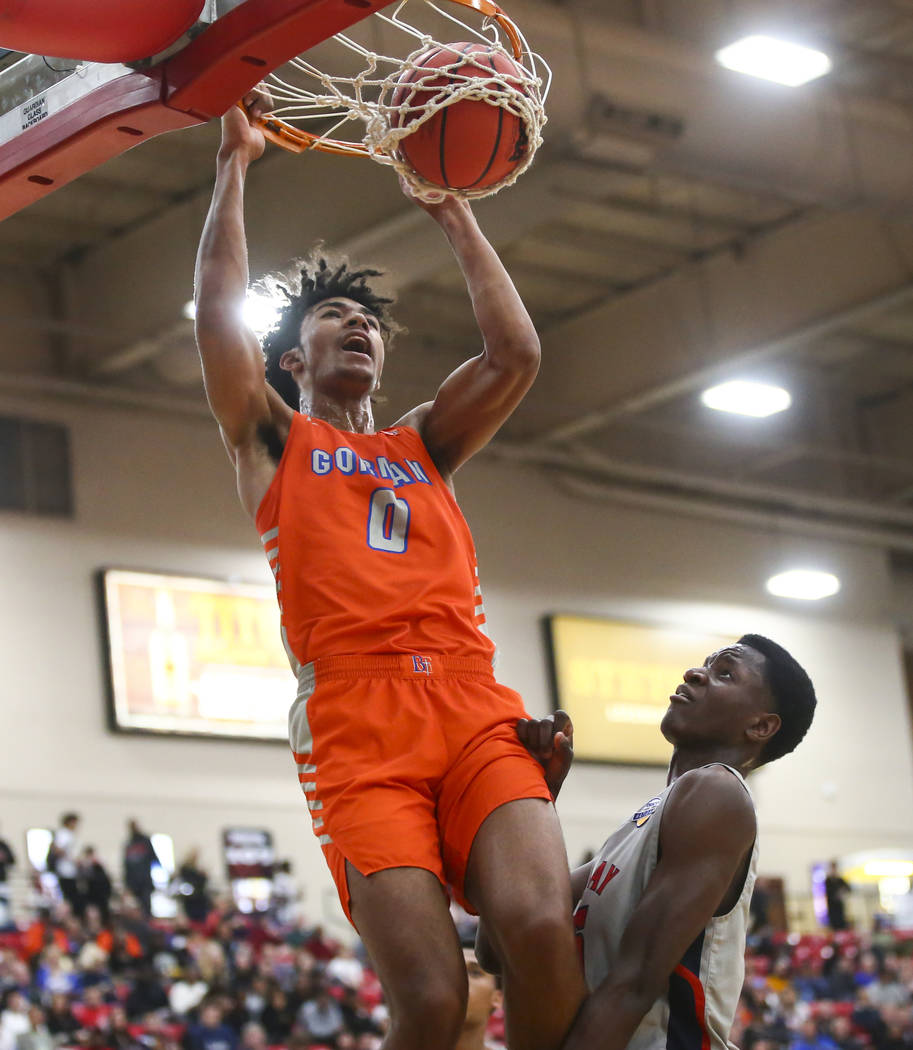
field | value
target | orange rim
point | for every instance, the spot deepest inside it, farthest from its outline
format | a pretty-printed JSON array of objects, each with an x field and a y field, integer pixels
[{"x": 296, "y": 140}]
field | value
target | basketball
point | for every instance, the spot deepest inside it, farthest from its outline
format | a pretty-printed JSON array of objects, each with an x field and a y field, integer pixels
[{"x": 469, "y": 144}]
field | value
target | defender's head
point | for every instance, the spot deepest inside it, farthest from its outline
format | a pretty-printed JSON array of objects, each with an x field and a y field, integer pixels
[
  {"x": 331, "y": 335},
  {"x": 752, "y": 697}
]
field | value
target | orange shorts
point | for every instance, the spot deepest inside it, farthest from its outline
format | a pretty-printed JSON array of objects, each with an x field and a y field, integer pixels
[{"x": 401, "y": 759}]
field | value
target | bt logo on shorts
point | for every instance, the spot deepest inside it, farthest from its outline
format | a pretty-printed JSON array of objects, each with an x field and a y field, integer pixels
[{"x": 421, "y": 664}]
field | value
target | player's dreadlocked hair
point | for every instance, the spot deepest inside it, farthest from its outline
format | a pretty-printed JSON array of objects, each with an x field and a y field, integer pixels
[{"x": 318, "y": 278}]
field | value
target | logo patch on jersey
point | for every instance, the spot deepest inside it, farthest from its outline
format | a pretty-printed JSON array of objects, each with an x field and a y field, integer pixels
[{"x": 646, "y": 811}]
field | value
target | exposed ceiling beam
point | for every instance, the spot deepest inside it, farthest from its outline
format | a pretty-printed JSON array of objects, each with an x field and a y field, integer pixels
[
  {"x": 582, "y": 462},
  {"x": 727, "y": 314}
]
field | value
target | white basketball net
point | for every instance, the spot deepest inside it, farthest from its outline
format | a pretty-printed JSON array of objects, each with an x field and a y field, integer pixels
[{"x": 305, "y": 95}]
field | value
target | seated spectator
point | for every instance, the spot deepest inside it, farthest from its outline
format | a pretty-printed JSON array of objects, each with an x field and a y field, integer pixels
[
  {"x": 158, "y": 1034},
  {"x": 345, "y": 968},
  {"x": 14, "y": 972},
  {"x": 809, "y": 1038},
  {"x": 254, "y": 998},
  {"x": 841, "y": 1031},
  {"x": 93, "y": 967},
  {"x": 253, "y": 1037},
  {"x": 209, "y": 956},
  {"x": 887, "y": 990},
  {"x": 187, "y": 992},
  {"x": 867, "y": 970},
  {"x": 210, "y": 1033},
  {"x": 841, "y": 981},
  {"x": 37, "y": 1037},
  {"x": 92, "y": 1012},
  {"x": 357, "y": 1019},
  {"x": 898, "y": 1034},
  {"x": 59, "y": 1018},
  {"x": 147, "y": 996},
  {"x": 55, "y": 971},
  {"x": 43, "y": 931},
  {"x": 321, "y": 1017},
  {"x": 867, "y": 1017},
  {"x": 278, "y": 1016},
  {"x": 14, "y": 1019},
  {"x": 118, "y": 1034},
  {"x": 322, "y": 947}
]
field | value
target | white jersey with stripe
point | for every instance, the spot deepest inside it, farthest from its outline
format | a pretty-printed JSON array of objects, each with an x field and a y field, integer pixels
[{"x": 698, "y": 1006}]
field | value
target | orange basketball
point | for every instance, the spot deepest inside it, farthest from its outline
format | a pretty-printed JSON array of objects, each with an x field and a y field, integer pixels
[{"x": 469, "y": 144}]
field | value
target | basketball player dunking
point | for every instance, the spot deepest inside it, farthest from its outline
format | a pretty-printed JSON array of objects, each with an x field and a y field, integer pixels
[
  {"x": 405, "y": 742},
  {"x": 662, "y": 910}
]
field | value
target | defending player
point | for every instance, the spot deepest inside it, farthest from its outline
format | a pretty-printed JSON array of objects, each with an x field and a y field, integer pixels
[
  {"x": 405, "y": 743},
  {"x": 662, "y": 910}
]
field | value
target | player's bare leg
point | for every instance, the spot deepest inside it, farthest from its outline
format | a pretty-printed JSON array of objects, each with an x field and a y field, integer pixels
[
  {"x": 519, "y": 882},
  {"x": 403, "y": 917}
]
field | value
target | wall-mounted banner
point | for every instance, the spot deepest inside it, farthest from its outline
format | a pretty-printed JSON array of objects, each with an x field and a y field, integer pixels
[
  {"x": 195, "y": 656},
  {"x": 614, "y": 680}
]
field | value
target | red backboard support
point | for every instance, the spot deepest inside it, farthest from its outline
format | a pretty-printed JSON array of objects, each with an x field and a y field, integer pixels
[{"x": 202, "y": 81}]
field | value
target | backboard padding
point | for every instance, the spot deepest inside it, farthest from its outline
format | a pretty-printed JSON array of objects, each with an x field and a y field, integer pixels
[{"x": 224, "y": 61}]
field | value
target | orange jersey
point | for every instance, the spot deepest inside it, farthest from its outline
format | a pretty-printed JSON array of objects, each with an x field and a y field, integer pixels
[{"x": 369, "y": 549}]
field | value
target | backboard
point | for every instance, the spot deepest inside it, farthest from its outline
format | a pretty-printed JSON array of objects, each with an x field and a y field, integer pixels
[{"x": 61, "y": 118}]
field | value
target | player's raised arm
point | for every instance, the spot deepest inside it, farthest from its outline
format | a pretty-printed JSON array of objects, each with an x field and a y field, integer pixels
[
  {"x": 708, "y": 831},
  {"x": 233, "y": 369},
  {"x": 478, "y": 397}
]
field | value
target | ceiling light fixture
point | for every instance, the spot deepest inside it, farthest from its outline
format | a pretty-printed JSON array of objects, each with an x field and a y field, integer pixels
[
  {"x": 260, "y": 312},
  {"x": 808, "y": 585},
  {"x": 778, "y": 60},
  {"x": 745, "y": 398}
]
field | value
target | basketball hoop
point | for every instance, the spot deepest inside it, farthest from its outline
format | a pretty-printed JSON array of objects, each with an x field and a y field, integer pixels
[{"x": 388, "y": 98}]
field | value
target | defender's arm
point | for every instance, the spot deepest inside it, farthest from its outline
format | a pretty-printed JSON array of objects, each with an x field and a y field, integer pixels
[
  {"x": 233, "y": 369},
  {"x": 707, "y": 833},
  {"x": 476, "y": 399}
]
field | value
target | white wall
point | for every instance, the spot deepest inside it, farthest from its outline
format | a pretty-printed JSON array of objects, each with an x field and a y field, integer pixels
[{"x": 157, "y": 493}]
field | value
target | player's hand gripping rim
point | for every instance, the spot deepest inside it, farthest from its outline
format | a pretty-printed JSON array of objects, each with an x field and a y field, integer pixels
[{"x": 551, "y": 742}]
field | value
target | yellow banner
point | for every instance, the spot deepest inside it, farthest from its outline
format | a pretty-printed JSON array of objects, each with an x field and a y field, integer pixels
[
  {"x": 191, "y": 655},
  {"x": 614, "y": 680}
]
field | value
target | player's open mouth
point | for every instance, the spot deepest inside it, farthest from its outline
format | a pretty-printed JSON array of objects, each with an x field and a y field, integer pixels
[
  {"x": 680, "y": 697},
  {"x": 357, "y": 343}
]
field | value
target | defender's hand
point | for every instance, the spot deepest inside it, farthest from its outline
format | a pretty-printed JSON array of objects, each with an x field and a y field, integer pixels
[
  {"x": 238, "y": 133},
  {"x": 551, "y": 742}
]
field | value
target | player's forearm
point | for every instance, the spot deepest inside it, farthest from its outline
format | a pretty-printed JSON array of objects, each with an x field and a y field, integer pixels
[
  {"x": 508, "y": 332},
  {"x": 220, "y": 281},
  {"x": 609, "y": 1017}
]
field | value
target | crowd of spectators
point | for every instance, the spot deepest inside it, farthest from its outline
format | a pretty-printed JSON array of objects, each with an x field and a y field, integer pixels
[
  {"x": 231, "y": 981},
  {"x": 103, "y": 974},
  {"x": 837, "y": 991},
  {"x": 96, "y": 971}
]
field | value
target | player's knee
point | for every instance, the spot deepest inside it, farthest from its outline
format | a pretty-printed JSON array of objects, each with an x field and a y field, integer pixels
[
  {"x": 535, "y": 939},
  {"x": 431, "y": 1016}
]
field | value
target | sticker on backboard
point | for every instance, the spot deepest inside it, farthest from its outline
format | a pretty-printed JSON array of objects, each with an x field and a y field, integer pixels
[{"x": 34, "y": 112}]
